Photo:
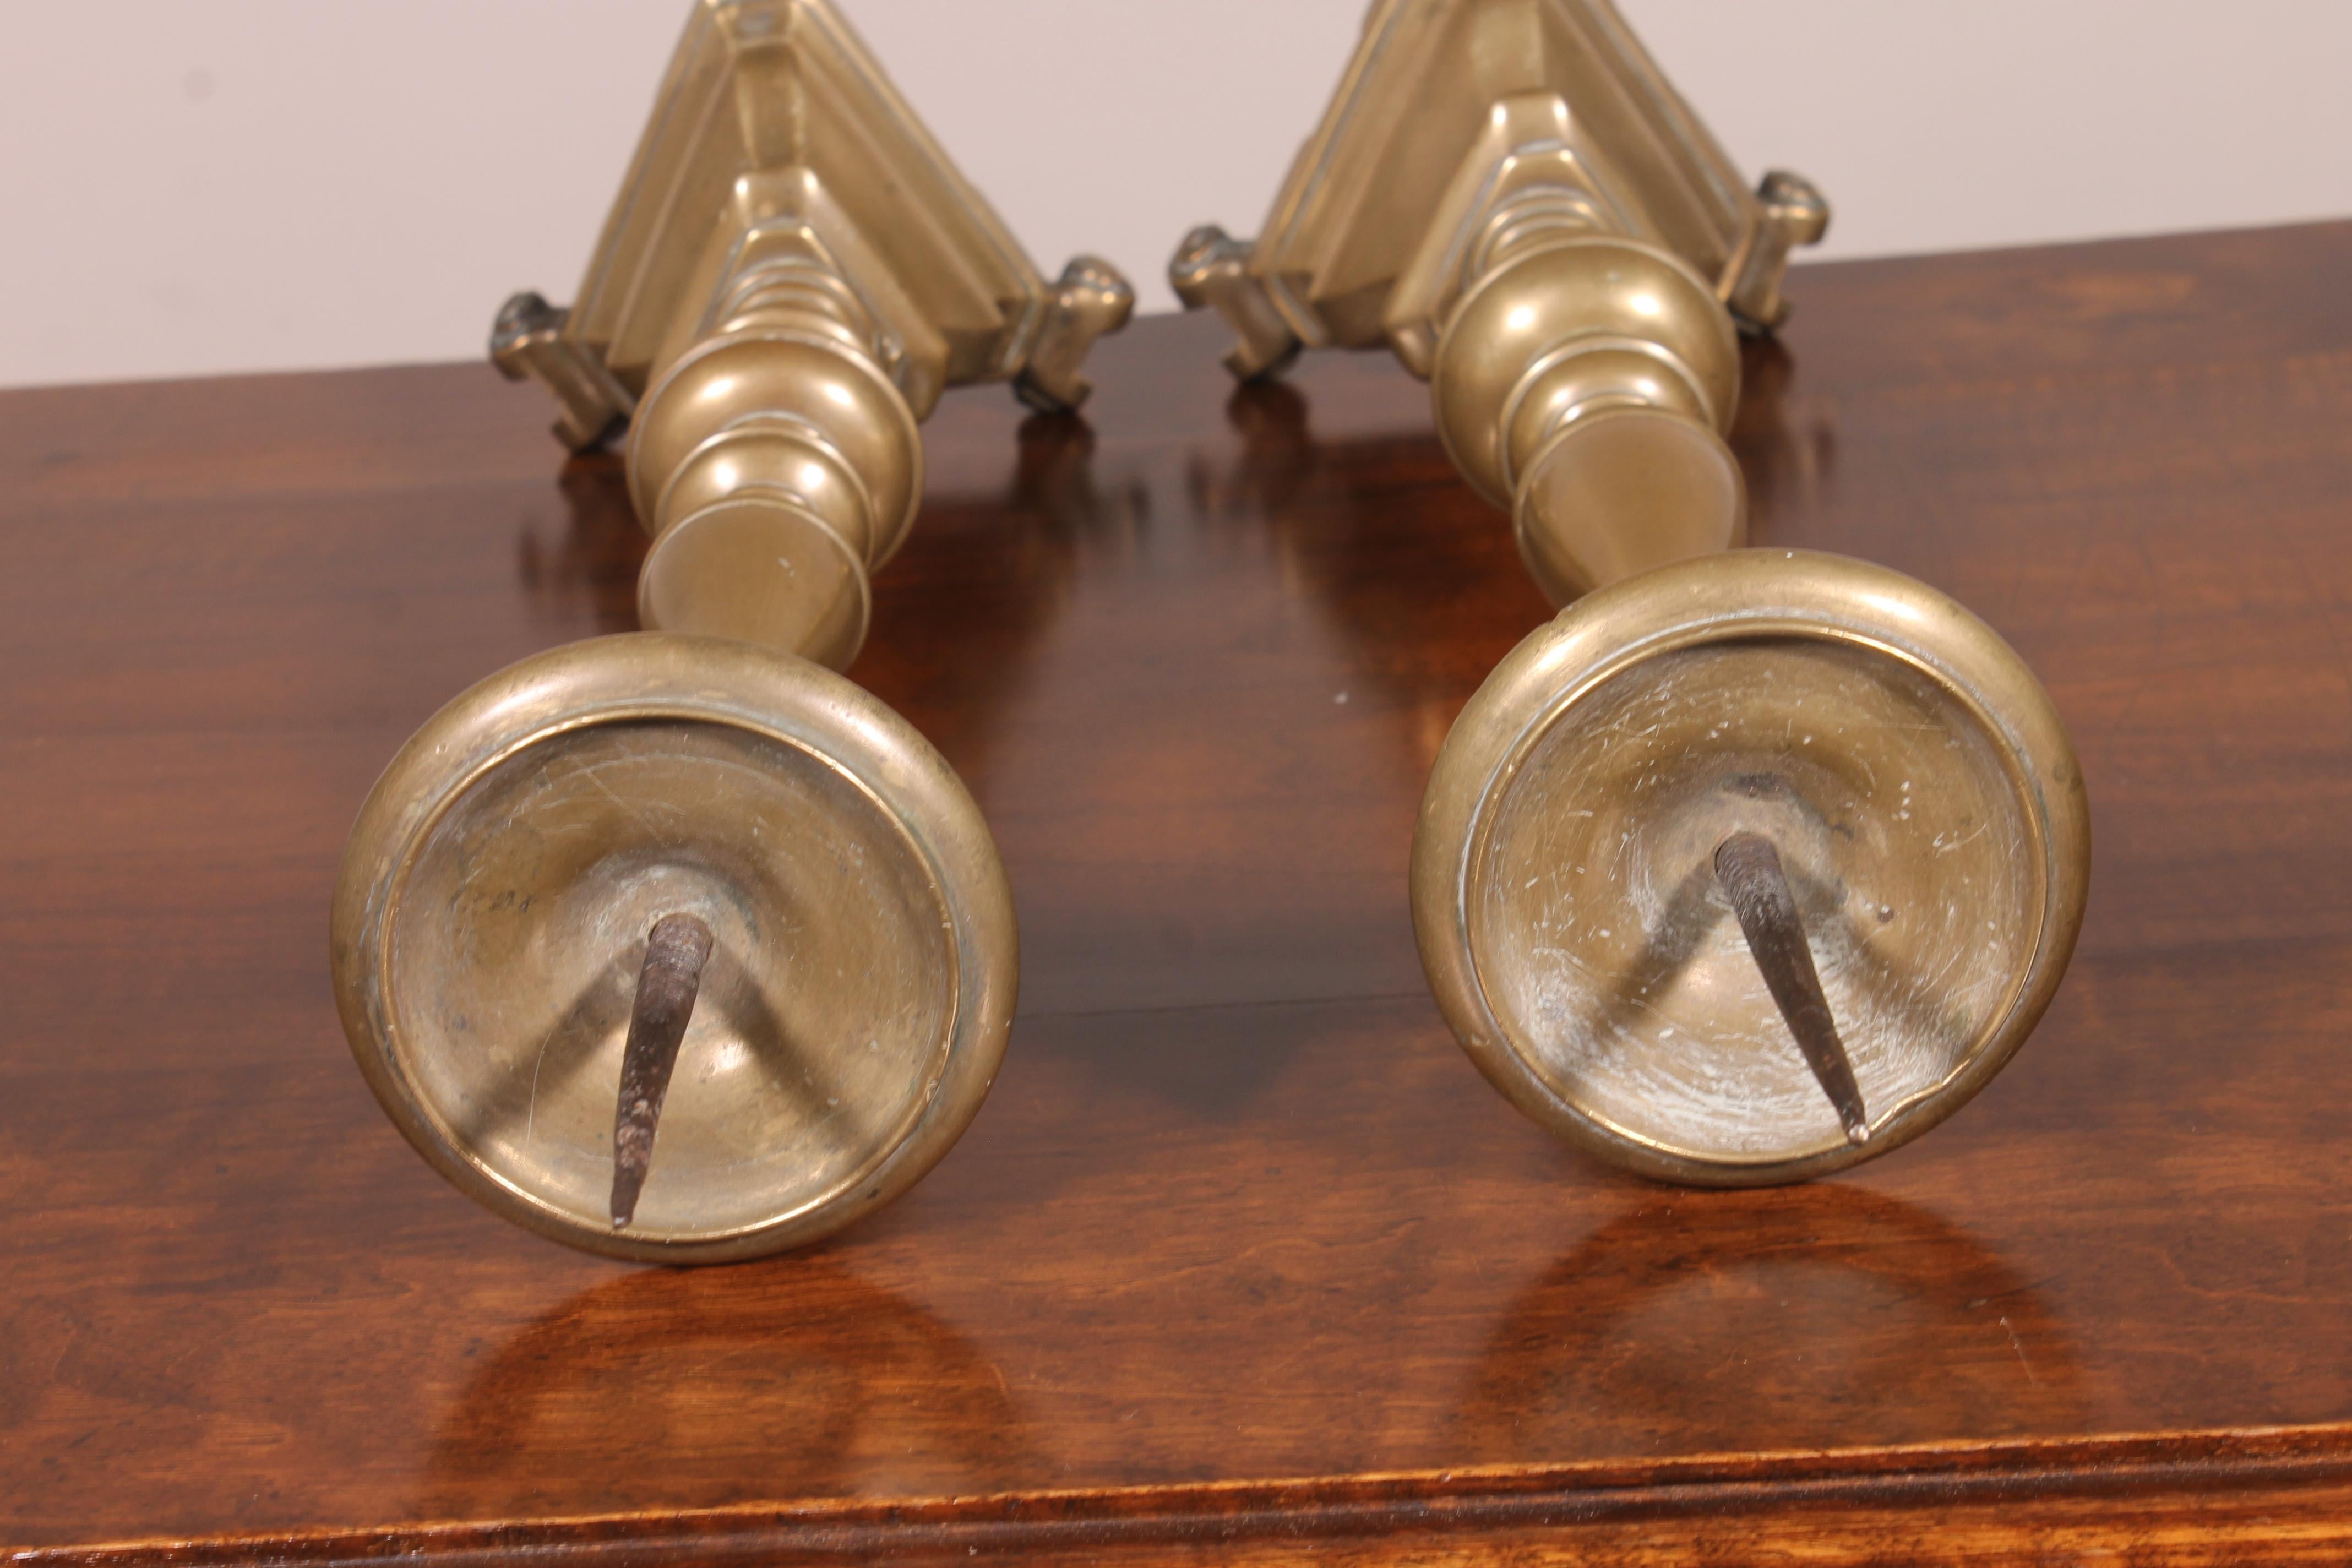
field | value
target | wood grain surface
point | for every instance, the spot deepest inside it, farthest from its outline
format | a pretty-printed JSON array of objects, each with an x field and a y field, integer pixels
[{"x": 1242, "y": 1262}]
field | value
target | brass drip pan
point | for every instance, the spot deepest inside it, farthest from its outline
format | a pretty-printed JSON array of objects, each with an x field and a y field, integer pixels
[
  {"x": 505, "y": 875},
  {"x": 1918, "y": 787}
]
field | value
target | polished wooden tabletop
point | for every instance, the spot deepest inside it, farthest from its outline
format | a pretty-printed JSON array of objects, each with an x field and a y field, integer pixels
[{"x": 1242, "y": 1260}]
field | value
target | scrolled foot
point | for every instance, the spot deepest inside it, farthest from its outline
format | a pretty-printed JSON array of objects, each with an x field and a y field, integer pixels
[
  {"x": 1092, "y": 299},
  {"x": 1794, "y": 212},
  {"x": 1211, "y": 271},
  {"x": 527, "y": 340}
]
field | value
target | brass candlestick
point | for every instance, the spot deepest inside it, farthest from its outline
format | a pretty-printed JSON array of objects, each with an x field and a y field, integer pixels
[
  {"x": 1511, "y": 196},
  {"x": 677, "y": 945}
]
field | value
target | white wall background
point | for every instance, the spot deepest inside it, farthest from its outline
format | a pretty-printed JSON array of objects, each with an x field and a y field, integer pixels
[{"x": 194, "y": 186}]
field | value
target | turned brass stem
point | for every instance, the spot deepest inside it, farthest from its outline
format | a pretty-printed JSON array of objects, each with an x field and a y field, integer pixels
[
  {"x": 1748, "y": 867},
  {"x": 666, "y": 987},
  {"x": 1569, "y": 266}
]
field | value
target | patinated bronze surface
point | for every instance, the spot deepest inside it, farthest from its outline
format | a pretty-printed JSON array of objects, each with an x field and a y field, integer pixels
[{"x": 1241, "y": 1260}]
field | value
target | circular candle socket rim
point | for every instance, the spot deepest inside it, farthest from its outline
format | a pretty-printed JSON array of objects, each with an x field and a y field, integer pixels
[
  {"x": 1737, "y": 597},
  {"x": 655, "y": 676}
]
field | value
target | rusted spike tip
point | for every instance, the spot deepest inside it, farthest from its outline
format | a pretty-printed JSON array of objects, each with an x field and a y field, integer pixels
[
  {"x": 1748, "y": 867},
  {"x": 666, "y": 987}
]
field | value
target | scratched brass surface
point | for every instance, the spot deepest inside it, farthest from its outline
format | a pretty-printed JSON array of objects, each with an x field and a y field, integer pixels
[
  {"x": 1913, "y": 775},
  {"x": 519, "y": 850}
]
